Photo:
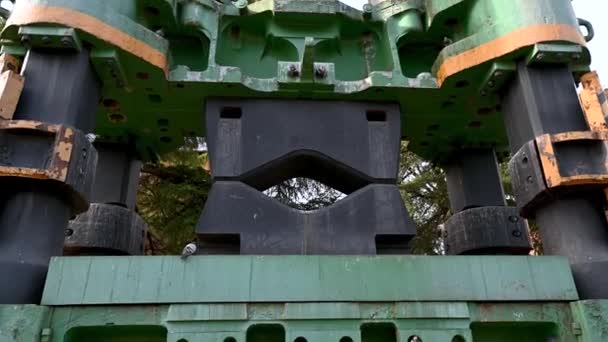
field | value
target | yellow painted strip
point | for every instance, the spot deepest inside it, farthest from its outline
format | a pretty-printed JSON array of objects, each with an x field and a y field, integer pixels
[
  {"x": 26, "y": 14},
  {"x": 506, "y": 44}
]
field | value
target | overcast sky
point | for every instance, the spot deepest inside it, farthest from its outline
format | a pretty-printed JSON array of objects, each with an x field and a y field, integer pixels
[{"x": 593, "y": 10}]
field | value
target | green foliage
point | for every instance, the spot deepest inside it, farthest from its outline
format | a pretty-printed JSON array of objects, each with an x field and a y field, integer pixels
[
  {"x": 171, "y": 196},
  {"x": 424, "y": 191}
]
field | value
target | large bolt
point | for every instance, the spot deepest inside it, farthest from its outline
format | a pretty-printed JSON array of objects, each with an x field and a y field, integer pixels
[
  {"x": 46, "y": 40},
  {"x": 66, "y": 42},
  {"x": 25, "y": 40},
  {"x": 293, "y": 71},
  {"x": 320, "y": 71}
]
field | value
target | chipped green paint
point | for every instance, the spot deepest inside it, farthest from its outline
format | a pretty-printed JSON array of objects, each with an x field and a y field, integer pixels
[
  {"x": 389, "y": 54},
  {"x": 322, "y": 322}
]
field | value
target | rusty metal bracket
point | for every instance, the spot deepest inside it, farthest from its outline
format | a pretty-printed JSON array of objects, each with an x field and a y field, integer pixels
[
  {"x": 556, "y": 174},
  {"x": 593, "y": 101},
  {"x": 59, "y": 154}
]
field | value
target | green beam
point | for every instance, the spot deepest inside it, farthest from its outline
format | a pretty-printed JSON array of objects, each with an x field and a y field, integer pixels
[{"x": 169, "y": 279}]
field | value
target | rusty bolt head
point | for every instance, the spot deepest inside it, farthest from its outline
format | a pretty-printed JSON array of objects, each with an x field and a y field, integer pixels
[
  {"x": 25, "y": 39},
  {"x": 321, "y": 71},
  {"x": 293, "y": 71},
  {"x": 66, "y": 42}
]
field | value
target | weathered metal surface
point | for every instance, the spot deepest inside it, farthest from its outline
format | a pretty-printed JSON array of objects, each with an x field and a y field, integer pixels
[
  {"x": 465, "y": 172},
  {"x": 11, "y": 85},
  {"x": 23, "y": 323},
  {"x": 139, "y": 280},
  {"x": 350, "y": 146},
  {"x": 117, "y": 175},
  {"x": 556, "y": 151},
  {"x": 345, "y": 145},
  {"x": 324, "y": 322},
  {"x": 356, "y": 225},
  {"x": 487, "y": 230},
  {"x": 53, "y": 156},
  {"x": 34, "y": 213},
  {"x": 590, "y": 319},
  {"x": 106, "y": 229},
  {"x": 593, "y": 100},
  {"x": 159, "y": 61}
]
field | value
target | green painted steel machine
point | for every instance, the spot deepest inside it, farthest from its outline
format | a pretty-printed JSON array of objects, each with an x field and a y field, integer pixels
[{"x": 302, "y": 88}]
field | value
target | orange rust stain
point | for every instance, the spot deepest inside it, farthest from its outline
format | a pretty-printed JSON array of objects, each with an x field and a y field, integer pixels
[
  {"x": 553, "y": 177},
  {"x": 27, "y": 14},
  {"x": 590, "y": 101},
  {"x": 506, "y": 44},
  {"x": 6, "y": 171}
]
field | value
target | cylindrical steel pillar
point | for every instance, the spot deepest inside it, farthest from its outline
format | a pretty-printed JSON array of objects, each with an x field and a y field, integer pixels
[
  {"x": 572, "y": 221},
  {"x": 60, "y": 88},
  {"x": 110, "y": 226},
  {"x": 482, "y": 223}
]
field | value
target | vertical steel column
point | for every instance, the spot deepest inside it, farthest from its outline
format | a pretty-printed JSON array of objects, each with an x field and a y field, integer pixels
[
  {"x": 572, "y": 223},
  {"x": 60, "y": 88},
  {"x": 482, "y": 223},
  {"x": 473, "y": 180},
  {"x": 110, "y": 226}
]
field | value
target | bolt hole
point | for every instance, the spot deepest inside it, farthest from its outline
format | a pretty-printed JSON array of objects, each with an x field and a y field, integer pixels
[
  {"x": 424, "y": 144},
  {"x": 231, "y": 113},
  {"x": 164, "y": 129},
  {"x": 117, "y": 118},
  {"x": 235, "y": 31},
  {"x": 485, "y": 111},
  {"x": 525, "y": 160},
  {"x": 433, "y": 127},
  {"x": 155, "y": 98},
  {"x": 475, "y": 124},
  {"x": 458, "y": 338},
  {"x": 451, "y": 22},
  {"x": 230, "y": 339},
  {"x": 110, "y": 103},
  {"x": 142, "y": 75},
  {"x": 69, "y": 231},
  {"x": 300, "y": 339},
  {"x": 376, "y": 115},
  {"x": 162, "y": 122},
  {"x": 166, "y": 139},
  {"x": 414, "y": 338},
  {"x": 462, "y": 84},
  {"x": 180, "y": 86},
  {"x": 447, "y": 104},
  {"x": 346, "y": 339},
  {"x": 153, "y": 11}
]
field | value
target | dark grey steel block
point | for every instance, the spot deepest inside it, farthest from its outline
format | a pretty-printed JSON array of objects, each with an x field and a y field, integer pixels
[
  {"x": 106, "y": 229},
  {"x": 117, "y": 175},
  {"x": 343, "y": 144},
  {"x": 473, "y": 180},
  {"x": 239, "y": 219},
  {"x": 488, "y": 231}
]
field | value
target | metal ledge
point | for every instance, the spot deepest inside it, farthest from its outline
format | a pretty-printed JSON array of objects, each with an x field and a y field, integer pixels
[{"x": 238, "y": 279}]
